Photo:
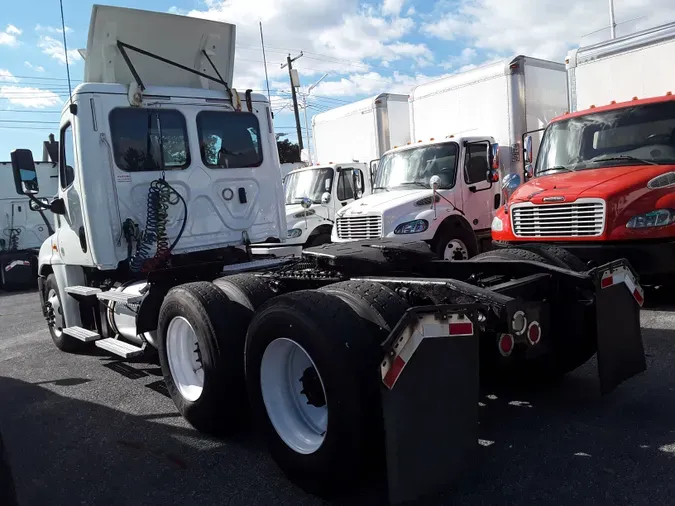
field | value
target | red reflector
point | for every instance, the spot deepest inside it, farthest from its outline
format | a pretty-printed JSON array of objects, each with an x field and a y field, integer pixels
[
  {"x": 506, "y": 344},
  {"x": 461, "y": 329},
  {"x": 638, "y": 297},
  {"x": 608, "y": 281},
  {"x": 534, "y": 333},
  {"x": 394, "y": 372}
]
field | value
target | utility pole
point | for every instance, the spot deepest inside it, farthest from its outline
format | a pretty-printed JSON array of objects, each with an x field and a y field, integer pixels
[
  {"x": 289, "y": 64},
  {"x": 304, "y": 105},
  {"x": 612, "y": 21}
]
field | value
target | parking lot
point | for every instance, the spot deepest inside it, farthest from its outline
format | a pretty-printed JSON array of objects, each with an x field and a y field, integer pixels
[{"x": 90, "y": 429}]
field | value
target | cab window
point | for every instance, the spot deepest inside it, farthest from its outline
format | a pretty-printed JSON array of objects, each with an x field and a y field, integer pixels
[
  {"x": 229, "y": 140},
  {"x": 476, "y": 163},
  {"x": 149, "y": 139},
  {"x": 345, "y": 186},
  {"x": 67, "y": 157}
]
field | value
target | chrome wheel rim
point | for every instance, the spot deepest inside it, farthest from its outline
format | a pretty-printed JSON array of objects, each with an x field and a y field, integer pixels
[
  {"x": 184, "y": 357},
  {"x": 455, "y": 250}
]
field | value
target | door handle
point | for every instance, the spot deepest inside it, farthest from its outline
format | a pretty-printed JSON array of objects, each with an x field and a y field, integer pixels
[
  {"x": 242, "y": 195},
  {"x": 344, "y": 203}
]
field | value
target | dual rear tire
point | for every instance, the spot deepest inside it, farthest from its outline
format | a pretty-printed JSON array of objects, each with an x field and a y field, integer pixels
[{"x": 309, "y": 377}]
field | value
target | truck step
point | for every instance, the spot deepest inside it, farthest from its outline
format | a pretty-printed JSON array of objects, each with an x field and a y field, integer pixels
[
  {"x": 115, "y": 296},
  {"x": 83, "y": 335},
  {"x": 119, "y": 348},
  {"x": 84, "y": 291}
]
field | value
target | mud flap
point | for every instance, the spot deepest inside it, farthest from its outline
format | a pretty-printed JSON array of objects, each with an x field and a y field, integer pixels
[
  {"x": 430, "y": 400},
  {"x": 621, "y": 354}
]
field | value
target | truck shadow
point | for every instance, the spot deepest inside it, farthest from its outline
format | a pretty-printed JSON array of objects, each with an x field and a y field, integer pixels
[
  {"x": 65, "y": 451},
  {"x": 565, "y": 444},
  {"x": 560, "y": 444}
]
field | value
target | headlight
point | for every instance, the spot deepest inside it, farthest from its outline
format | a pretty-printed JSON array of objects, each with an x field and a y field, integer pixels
[
  {"x": 412, "y": 227},
  {"x": 497, "y": 224},
  {"x": 656, "y": 218},
  {"x": 294, "y": 233}
]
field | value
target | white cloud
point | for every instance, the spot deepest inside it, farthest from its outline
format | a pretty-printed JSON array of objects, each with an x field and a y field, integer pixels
[
  {"x": 370, "y": 83},
  {"x": 464, "y": 58},
  {"x": 54, "y": 49},
  {"x": 539, "y": 28},
  {"x": 10, "y": 37},
  {"x": 338, "y": 37},
  {"x": 7, "y": 77},
  {"x": 392, "y": 7},
  {"x": 27, "y": 96},
  {"x": 36, "y": 68},
  {"x": 51, "y": 29}
]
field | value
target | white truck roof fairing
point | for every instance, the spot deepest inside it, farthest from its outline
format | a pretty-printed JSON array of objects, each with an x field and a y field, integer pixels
[
  {"x": 180, "y": 39},
  {"x": 622, "y": 68}
]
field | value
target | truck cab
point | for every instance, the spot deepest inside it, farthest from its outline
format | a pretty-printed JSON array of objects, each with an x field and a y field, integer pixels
[
  {"x": 438, "y": 191},
  {"x": 329, "y": 188},
  {"x": 603, "y": 187}
]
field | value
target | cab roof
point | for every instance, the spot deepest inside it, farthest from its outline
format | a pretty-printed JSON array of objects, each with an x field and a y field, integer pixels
[{"x": 669, "y": 97}]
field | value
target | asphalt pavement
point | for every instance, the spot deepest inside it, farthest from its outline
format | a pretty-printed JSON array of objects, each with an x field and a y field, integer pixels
[{"x": 92, "y": 430}]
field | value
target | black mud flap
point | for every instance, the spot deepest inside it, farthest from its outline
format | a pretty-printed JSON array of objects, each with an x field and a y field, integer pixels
[
  {"x": 430, "y": 400},
  {"x": 621, "y": 354}
]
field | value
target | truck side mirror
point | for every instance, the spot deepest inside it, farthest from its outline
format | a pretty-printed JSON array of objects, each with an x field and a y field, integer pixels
[
  {"x": 527, "y": 149},
  {"x": 25, "y": 176},
  {"x": 327, "y": 185},
  {"x": 493, "y": 157},
  {"x": 492, "y": 176},
  {"x": 325, "y": 198},
  {"x": 34, "y": 205}
]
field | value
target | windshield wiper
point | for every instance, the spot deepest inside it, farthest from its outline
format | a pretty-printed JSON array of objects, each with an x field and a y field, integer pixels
[
  {"x": 622, "y": 157},
  {"x": 557, "y": 167},
  {"x": 416, "y": 183}
]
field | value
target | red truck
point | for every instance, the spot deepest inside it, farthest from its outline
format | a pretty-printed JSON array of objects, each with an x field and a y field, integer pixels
[{"x": 602, "y": 188}]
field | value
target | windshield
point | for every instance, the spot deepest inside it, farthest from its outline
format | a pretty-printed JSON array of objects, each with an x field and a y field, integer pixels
[
  {"x": 310, "y": 183},
  {"x": 639, "y": 135},
  {"x": 414, "y": 167}
]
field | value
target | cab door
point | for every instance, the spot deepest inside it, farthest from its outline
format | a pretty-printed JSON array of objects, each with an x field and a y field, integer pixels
[
  {"x": 477, "y": 193},
  {"x": 350, "y": 186},
  {"x": 71, "y": 237}
]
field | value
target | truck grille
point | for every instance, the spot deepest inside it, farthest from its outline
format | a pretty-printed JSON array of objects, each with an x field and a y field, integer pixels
[
  {"x": 583, "y": 218},
  {"x": 359, "y": 227}
]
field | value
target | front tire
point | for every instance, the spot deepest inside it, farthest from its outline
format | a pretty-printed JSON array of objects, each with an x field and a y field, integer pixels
[
  {"x": 455, "y": 243},
  {"x": 311, "y": 372},
  {"x": 201, "y": 343},
  {"x": 55, "y": 318}
]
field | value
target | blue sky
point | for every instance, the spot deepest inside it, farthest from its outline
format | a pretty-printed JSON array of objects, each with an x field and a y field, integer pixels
[{"x": 365, "y": 47}]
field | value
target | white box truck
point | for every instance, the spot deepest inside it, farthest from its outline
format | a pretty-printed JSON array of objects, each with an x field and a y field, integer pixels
[
  {"x": 456, "y": 123},
  {"x": 23, "y": 228},
  {"x": 637, "y": 65},
  {"x": 503, "y": 99},
  {"x": 362, "y": 131}
]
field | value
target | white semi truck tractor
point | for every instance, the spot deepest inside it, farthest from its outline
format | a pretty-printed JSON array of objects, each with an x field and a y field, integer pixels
[{"x": 166, "y": 177}]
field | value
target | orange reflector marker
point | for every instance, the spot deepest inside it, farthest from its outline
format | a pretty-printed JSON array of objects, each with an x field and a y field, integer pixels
[
  {"x": 592, "y": 106},
  {"x": 635, "y": 98},
  {"x": 668, "y": 93},
  {"x": 613, "y": 102},
  {"x": 431, "y": 139}
]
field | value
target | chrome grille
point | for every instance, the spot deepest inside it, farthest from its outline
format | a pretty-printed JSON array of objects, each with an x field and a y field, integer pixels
[
  {"x": 359, "y": 227},
  {"x": 583, "y": 218}
]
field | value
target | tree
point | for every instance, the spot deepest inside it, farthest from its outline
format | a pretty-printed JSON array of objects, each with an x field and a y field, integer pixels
[{"x": 288, "y": 151}]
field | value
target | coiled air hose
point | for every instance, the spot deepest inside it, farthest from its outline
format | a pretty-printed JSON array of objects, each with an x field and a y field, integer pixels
[{"x": 161, "y": 195}]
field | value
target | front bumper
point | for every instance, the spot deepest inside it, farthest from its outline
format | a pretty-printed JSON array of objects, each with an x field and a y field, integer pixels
[{"x": 654, "y": 261}]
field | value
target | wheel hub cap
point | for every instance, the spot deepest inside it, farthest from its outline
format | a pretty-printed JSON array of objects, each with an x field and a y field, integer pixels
[
  {"x": 185, "y": 359},
  {"x": 456, "y": 250}
]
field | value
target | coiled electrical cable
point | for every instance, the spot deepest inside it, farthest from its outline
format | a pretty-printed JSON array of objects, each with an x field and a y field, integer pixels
[
  {"x": 13, "y": 234},
  {"x": 161, "y": 195}
]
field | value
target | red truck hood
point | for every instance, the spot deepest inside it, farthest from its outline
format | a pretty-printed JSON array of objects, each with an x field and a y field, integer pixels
[{"x": 572, "y": 185}]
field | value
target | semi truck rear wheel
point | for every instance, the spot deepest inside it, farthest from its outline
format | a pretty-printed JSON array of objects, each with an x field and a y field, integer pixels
[
  {"x": 378, "y": 305},
  {"x": 311, "y": 372},
  {"x": 201, "y": 335},
  {"x": 249, "y": 290}
]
